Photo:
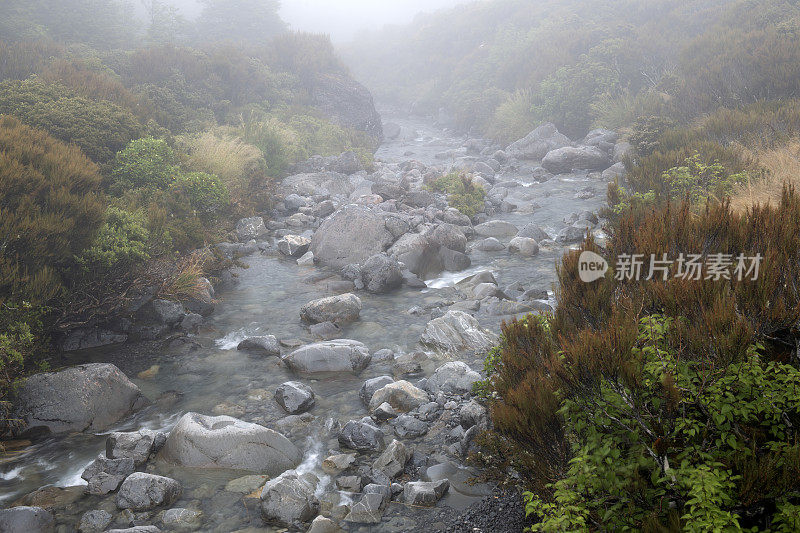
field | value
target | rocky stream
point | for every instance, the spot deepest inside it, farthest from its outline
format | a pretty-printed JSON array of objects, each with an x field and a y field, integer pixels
[{"x": 331, "y": 387}]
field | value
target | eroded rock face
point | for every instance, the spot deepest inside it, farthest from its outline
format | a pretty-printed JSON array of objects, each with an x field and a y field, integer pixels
[
  {"x": 538, "y": 143},
  {"x": 347, "y": 103},
  {"x": 352, "y": 234},
  {"x": 90, "y": 397},
  {"x": 225, "y": 442},
  {"x": 341, "y": 355}
]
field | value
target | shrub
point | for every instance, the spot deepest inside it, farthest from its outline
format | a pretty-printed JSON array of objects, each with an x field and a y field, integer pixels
[
  {"x": 52, "y": 208},
  {"x": 642, "y": 391},
  {"x": 121, "y": 243},
  {"x": 462, "y": 194},
  {"x": 513, "y": 119},
  {"x": 647, "y": 131},
  {"x": 99, "y": 128},
  {"x": 144, "y": 163},
  {"x": 206, "y": 193}
]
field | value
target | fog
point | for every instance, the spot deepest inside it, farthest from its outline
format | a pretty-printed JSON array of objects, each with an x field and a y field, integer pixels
[{"x": 341, "y": 19}]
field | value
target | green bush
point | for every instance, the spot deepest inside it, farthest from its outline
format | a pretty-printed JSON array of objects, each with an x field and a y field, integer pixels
[
  {"x": 144, "y": 163},
  {"x": 99, "y": 128},
  {"x": 647, "y": 132},
  {"x": 462, "y": 194},
  {"x": 121, "y": 243},
  {"x": 205, "y": 192}
]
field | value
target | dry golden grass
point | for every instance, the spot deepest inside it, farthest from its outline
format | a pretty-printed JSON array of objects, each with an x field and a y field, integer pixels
[
  {"x": 230, "y": 158},
  {"x": 782, "y": 164},
  {"x": 186, "y": 282}
]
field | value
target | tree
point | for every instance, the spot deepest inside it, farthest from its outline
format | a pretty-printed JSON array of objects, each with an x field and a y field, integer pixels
[{"x": 244, "y": 21}]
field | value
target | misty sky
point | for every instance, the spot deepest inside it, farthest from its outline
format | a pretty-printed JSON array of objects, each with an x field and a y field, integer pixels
[{"x": 343, "y": 18}]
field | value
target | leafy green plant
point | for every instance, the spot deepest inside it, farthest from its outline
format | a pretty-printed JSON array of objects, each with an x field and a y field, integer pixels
[
  {"x": 205, "y": 192},
  {"x": 144, "y": 163},
  {"x": 462, "y": 194},
  {"x": 121, "y": 243}
]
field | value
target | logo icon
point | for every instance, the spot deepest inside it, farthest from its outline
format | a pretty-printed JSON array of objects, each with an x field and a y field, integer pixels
[{"x": 591, "y": 267}]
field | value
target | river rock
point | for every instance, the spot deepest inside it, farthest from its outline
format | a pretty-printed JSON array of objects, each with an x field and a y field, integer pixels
[
  {"x": 473, "y": 414},
  {"x": 336, "y": 464},
  {"x": 453, "y": 261},
  {"x": 401, "y": 395},
  {"x": 324, "y": 525},
  {"x": 601, "y": 138},
  {"x": 384, "y": 412},
  {"x": 455, "y": 377},
  {"x": 393, "y": 460},
  {"x": 264, "y": 344},
  {"x": 352, "y": 234},
  {"x": 295, "y": 397},
  {"x": 201, "y": 441},
  {"x": 523, "y": 246},
  {"x": 168, "y": 312},
  {"x": 338, "y": 309},
  {"x": 182, "y": 519},
  {"x": 368, "y": 510},
  {"x": 135, "y": 445},
  {"x": 484, "y": 290},
  {"x": 141, "y": 491},
  {"x": 361, "y": 436},
  {"x": 490, "y": 244},
  {"x": 381, "y": 274},
  {"x": 623, "y": 150},
  {"x": 341, "y": 355},
  {"x": 571, "y": 235},
  {"x": 250, "y": 228},
  {"x": 565, "y": 160},
  {"x": 450, "y": 236},
  {"x": 419, "y": 254},
  {"x": 532, "y": 231},
  {"x": 617, "y": 170},
  {"x": 538, "y": 143},
  {"x": 289, "y": 499},
  {"x": 136, "y": 529},
  {"x": 293, "y": 245},
  {"x": 324, "y": 183},
  {"x": 106, "y": 475},
  {"x": 94, "y": 521},
  {"x": 496, "y": 228},
  {"x": 24, "y": 519},
  {"x": 90, "y": 397},
  {"x": 371, "y": 385},
  {"x": 424, "y": 493},
  {"x": 456, "y": 331},
  {"x": 408, "y": 427},
  {"x": 85, "y": 338}
]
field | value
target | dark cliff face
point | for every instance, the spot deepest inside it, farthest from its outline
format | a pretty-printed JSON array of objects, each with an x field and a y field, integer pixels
[{"x": 348, "y": 103}]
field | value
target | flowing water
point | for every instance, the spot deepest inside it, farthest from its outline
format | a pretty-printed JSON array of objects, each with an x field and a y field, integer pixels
[{"x": 205, "y": 373}]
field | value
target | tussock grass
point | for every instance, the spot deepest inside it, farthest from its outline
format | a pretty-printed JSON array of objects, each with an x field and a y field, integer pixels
[{"x": 782, "y": 165}]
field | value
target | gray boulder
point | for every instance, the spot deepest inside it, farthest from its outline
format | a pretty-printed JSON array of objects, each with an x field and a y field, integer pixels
[
  {"x": 381, "y": 274},
  {"x": 341, "y": 355},
  {"x": 368, "y": 510},
  {"x": 24, "y": 519},
  {"x": 106, "y": 475},
  {"x": 266, "y": 344},
  {"x": 338, "y": 309},
  {"x": 623, "y": 150},
  {"x": 141, "y": 491},
  {"x": 571, "y": 235},
  {"x": 352, "y": 234},
  {"x": 490, "y": 244},
  {"x": 136, "y": 529},
  {"x": 496, "y": 228},
  {"x": 449, "y": 236},
  {"x": 538, "y": 143},
  {"x": 89, "y": 397},
  {"x": 408, "y": 427},
  {"x": 401, "y": 395},
  {"x": 250, "y": 228},
  {"x": 295, "y": 397},
  {"x": 317, "y": 183},
  {"x": 565, "y": 160},
  {"x": 393, "y": 460},
  {"x": 136, "y": 445},
  {"x": 361, "y": 436},
  {"x": 293, "y": 245},
  {"x": 83, "y": 339},
  {"x": 289, "y": 499},
  {"x": 523, "y": 246},
  {"x": 225, "y": 442},
  {"x": 617, "y": 170},
  {"x": 182, "y": 519},
  {"x": 455, "y": 377},
  {"x": 94, "y": 521},
  {"x": 457, "y": 331},
  {"x": 168, "y": 312},
  {"x": 532, "y": 231},
  {"x": 425, "y": 493},
  {"x": 324, "y": 525},
  {"x": 601, "y": 138},
  {"x": 371, "y": 385}
]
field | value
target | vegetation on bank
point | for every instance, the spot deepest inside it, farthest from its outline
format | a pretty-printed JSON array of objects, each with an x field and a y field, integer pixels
[
  {"x": 462, "y": 193},
  {"x": 127, "y": 148}
]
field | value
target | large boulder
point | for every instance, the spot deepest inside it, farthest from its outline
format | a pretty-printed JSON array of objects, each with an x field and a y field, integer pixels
[
  {"x": 450, "y": 236},
  {"x": 338, "y": 309},
  {"x": 455, "y": 378},
  {"x": 136, "y": 445},
  {"x": 225, "y": 442},
  {"x": 289, "y": 499},
  {"x": 496, "y": 228},
  {"x": 105, "y": 475},
  {"x": 381, "y": 274},
  {"x": 250, "y": 228},
  {"x": 295, "y": 397},
  {"x": 457, "y": 331},
  {"x": 141, "y": 491},
  {"x": 341, "y": 355},
  {"x": 538, "y": 143},
  {"x": 83, "y": 339},
  {"x": 361, "y": 436},
  {"x": 313, "y": 183},
  {"x": 401, "y": 395},
  {"x": 90, "y": 397},
  {"x": 393, "y": 460},
  {"x": 352, "y": 234},
  {"x": 419, "y": 254},
  {"x": 425, "y": 493},
  {"x": 565, "y": 160},
  {"x": 24, "y": 519},
  {"x": 347, "y": 103},
  {"x": 371, "y": 385}
]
